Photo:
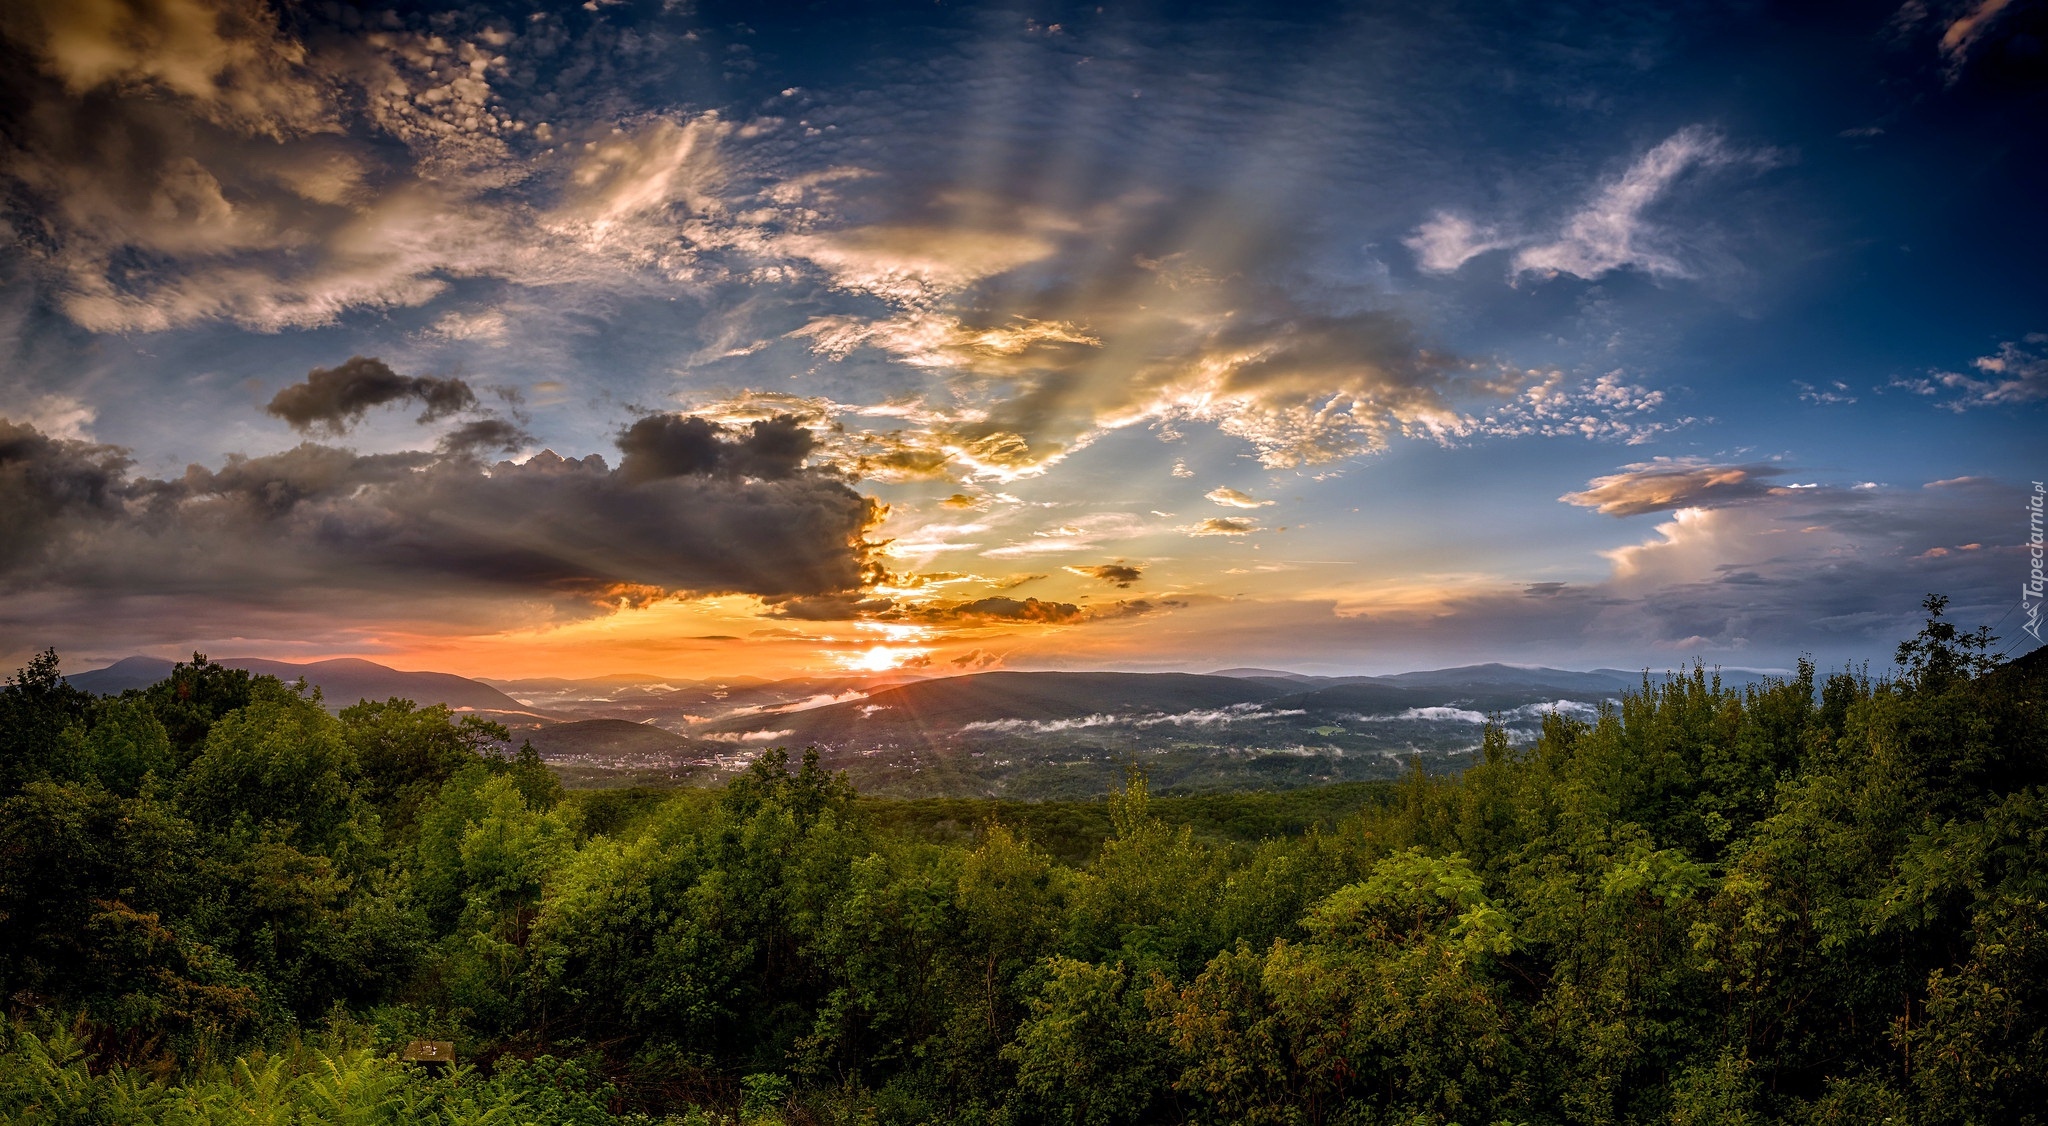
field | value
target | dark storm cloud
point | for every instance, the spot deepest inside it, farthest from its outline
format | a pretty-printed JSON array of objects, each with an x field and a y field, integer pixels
[
  {"x": 828, "y": 607},
  {"x": 333, "y": 399},
  {"x": 485, "y": 435},
  {"x": 45, "y": 480},
  {"x": 677, "y": 445},
  {"x": 1118, "y": 574},
  {"x": 319, "y": 528}
]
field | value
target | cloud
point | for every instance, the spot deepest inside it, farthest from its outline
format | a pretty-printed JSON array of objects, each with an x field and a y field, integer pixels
[
  {"x": 45, "y": 482},
  {"x": 333, "y": 399},
  {"x": 1964, "y": 32},
  {"x": 1304, "y": 389},
  {"x": 434, "y": 539},
  {"x": 1083, "y": 533},
  {"x": 1606, "y": 407},
  {"x": 1837, "y": 572},
  {"x": 1201, "y": 717},
  {"x": 915, "y": 264},
  {"x": 1118, "y": 574},
  {"x": 485, "y": 435},
  {"x": 677, "y": 445},
  {"x": 1231, "y": 498},
  {"x": 185, "y": 161},
  {"x": 489, "y": 326},
  {"x": 1446, "y": 242},
  {"x": 1664, "y": 483},
  {"x": 1045, "y": 340},
  {"x": 58, "y": 416},
  {"x": 1437, "y": 714},
  {"x": 1000, "y": 609},
  {"x": 649, "y": 172},
  {"x": 744, "y": 737},
  {"x": 838, "y": 607},
  {"x": 1612, "y": 231},
  {"x": 227, "y": 59},
  {"x": 1014, "y": 333},
  {"x": 1222, "y": 526},
  {"x": 2016, "y": 373},
  {"x": 1836, "y": 393}
]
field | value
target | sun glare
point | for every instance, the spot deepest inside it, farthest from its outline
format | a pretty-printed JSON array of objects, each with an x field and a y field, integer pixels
[
  {"x": 880, "y": 658},
  {"x": 896, "y": 631}
]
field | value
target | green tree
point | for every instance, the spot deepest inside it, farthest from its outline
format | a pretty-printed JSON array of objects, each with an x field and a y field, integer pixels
[{"x": 37, "y": 707}]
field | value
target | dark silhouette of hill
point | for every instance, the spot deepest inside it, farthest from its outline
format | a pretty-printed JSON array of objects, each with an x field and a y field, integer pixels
[{"x": 341, "y": 682}]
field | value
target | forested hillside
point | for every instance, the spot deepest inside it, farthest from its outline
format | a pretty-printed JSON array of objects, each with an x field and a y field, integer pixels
[{"x": 1815, "y": 901}]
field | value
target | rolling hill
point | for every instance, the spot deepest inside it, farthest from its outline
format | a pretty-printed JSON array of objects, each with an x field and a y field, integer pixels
[{"x": 341, "y": 682}]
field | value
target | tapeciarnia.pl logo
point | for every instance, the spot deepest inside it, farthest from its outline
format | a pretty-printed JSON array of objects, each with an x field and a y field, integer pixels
[{"x": 2037, "y": 583}]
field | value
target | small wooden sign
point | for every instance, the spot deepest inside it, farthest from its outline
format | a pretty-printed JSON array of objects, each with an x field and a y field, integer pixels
[{"x": 429, "y": 1051}]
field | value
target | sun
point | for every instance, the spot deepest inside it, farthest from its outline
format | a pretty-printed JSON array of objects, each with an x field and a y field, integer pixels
[{"x": 880, "y": 658}]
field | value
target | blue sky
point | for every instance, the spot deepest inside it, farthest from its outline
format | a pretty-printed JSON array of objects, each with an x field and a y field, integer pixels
[{"x": 1335, "y": 337}]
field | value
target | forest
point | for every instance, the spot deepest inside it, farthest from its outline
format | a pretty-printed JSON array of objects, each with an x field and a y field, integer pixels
[{"x": 1818, "y": 900}]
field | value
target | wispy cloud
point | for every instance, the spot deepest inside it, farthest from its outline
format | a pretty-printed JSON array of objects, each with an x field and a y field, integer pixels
[
  {"x": 1448, "y": 241},
  {"x": 2016, "y": 373},
  {"x": 1231, "y": 498},
  {"x": 1613, "y": 230},
  {"x": 1222, "y": 526}
]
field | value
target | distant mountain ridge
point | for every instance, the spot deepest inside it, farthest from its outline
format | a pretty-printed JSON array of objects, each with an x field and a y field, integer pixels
[{"x": 342, "y": 682}]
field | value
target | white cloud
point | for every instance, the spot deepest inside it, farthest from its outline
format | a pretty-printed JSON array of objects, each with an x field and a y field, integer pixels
[
  {"x": 746, "y": 737},
  {"x": 1222, "y": 526},
  {"x": 1231, "y": 498},
  {"x": 1611, "y": 232},
  {"x": 1448, "y": 241},
  {"x": 1432, "y": 714},
  {"x": 59, "y": 416},
  {"x": 637, "y": 175},
  {"x": 485, "y": 325},
  {"x": 2014, "y": 374}
]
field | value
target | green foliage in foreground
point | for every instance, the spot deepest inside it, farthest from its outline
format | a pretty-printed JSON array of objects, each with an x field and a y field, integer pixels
[{"x": 1805, "y": 903}]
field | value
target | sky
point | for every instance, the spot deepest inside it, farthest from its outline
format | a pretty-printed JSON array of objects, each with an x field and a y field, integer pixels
[{"x": 705, "y": 339}]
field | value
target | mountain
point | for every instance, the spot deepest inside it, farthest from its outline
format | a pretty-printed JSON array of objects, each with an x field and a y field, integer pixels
[
  {"x": 341, "y": 682},
  {"x": 1493, "y": 678},
  {"x": 119, "y": 677},
  {"x": 1270, "y": 674}
]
